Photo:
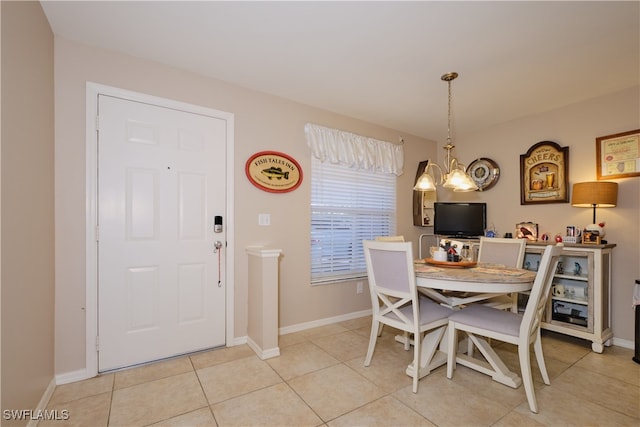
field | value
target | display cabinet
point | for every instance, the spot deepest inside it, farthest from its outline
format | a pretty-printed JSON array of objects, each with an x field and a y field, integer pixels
[
  {"x": 423, "y": 202},
  {"x": 423, "y": 208},
  {"x": 579, "y": 303}
]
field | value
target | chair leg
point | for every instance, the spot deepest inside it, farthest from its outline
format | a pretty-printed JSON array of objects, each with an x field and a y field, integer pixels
[
  {"x": 407, "y": 340},
  {"x": 375, "y": 328},
  {"x": 537, "y": 347},
  {"x": 514, "y": 302},
  {"x": 417, "y": 344},
  {"x": 527, "y": 380},
  {"x": 451, "y": 349}
]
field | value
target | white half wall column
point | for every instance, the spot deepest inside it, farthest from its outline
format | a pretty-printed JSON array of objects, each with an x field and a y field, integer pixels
[{"x": 262, "y": 330}]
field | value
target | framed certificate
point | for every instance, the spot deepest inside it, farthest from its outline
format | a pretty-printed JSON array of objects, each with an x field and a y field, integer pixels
[{"x": 618, "y": 155}]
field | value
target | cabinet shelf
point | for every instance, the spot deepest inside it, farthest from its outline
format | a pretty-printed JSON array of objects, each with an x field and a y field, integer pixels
[
  {"x": 582, "y": 278},
  {"x": 585, "y": 311},
  {"x": 572, "y": 300}
]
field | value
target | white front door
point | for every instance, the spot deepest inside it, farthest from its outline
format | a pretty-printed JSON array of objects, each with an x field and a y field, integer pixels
[{"x": 161, "y": 182}]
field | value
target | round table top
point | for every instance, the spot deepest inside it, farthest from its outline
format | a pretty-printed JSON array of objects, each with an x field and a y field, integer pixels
[{"x": 482, "y": 273}]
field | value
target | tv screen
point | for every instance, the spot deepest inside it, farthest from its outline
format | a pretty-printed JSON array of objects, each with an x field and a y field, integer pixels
[{"x": 459, "y": 219}]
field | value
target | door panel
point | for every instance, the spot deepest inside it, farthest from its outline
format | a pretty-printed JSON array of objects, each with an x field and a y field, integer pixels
[{"x": 161, "y": 181}]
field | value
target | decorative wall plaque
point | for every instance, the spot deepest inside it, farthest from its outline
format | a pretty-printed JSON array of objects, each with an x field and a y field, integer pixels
[
  {"x": 544, "y": 174},
  {"x": 273, "y": 172}
]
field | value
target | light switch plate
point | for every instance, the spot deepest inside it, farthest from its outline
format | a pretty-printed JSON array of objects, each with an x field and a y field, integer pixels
[{"x": 264, "y": 219}]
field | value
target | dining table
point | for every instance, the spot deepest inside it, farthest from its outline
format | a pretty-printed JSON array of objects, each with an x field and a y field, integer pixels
[{"x": 455, "y": 285}]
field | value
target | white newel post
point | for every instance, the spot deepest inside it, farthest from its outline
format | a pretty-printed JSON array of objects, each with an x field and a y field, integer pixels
[{"x": 262, "y": 331}]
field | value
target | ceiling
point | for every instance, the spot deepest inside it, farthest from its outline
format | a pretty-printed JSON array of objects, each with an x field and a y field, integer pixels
[{"x": 382, "y": 61}]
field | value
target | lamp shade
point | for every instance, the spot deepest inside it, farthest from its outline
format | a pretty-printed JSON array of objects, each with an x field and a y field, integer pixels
[
  {"x": 425, "y": 183},
  {"x": 601, "y": 194}
]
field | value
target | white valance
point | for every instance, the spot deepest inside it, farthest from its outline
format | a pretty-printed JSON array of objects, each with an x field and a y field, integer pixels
[{"x": 355, "y": 151}]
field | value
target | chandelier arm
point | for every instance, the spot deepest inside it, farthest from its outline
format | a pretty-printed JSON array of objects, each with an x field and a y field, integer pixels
[{"x": 441, "y": 173}]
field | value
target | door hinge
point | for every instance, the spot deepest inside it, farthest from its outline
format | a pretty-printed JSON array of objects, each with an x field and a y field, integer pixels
[
  {"x": 97, "y": 233},
  {"x": 97, "y": 343}
]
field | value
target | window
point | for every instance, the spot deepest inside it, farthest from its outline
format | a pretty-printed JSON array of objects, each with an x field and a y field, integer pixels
[{"x": 347, "y": 206}]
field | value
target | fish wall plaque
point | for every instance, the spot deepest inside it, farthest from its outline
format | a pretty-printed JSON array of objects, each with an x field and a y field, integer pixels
[{"x": 273, "y": 171}]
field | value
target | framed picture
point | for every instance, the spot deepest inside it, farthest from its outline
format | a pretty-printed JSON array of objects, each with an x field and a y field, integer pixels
[
  {"x": 527, "y": 230},
  {"x": 544, "y": 174},
  {"x": 591, "y": 237},
  {"x": 618, "y": 155}
]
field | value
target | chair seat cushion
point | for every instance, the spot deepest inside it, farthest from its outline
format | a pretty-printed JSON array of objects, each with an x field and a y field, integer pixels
[
  {"x": 480, "y": 316},
  {"x": 429, "y": 312}
]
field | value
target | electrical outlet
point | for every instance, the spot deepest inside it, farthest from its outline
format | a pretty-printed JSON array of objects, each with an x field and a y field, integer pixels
[{"x": 359, "y": 288}]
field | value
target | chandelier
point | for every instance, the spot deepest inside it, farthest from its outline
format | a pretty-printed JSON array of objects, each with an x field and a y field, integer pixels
[{"x": 453, "y": 175}]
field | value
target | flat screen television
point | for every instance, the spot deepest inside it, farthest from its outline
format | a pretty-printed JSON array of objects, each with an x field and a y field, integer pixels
[{"x": 459, "y": 219}]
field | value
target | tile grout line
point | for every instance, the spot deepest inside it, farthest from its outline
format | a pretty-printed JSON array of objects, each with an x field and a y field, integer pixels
[{"x": 195, "y": 371}]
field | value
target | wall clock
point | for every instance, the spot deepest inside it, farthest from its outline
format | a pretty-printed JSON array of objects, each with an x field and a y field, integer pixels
[{"x": 484, "y": 172}]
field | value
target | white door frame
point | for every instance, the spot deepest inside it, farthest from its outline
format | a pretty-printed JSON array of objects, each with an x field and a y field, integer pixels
[{"x": 91, "y": 260}]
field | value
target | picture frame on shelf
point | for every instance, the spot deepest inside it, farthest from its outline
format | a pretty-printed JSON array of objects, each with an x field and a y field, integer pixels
[
  {"x": 544, "y": 174},
  {"x": 618, "y": 155},
  {"x": 591, "y": 237},
  {"x": 527, "y": 230}
]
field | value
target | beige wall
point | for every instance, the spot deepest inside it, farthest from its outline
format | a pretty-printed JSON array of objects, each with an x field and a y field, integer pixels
[
  {"x": 27, "y": 205},
  {"x": 575, "y": 126},
  {"x": 266, "y": 122},
  {"x": 262, "y": 122}
]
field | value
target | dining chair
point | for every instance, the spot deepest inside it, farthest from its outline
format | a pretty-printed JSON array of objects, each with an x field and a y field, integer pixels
[
  {"x": 507, "y": 252},
  {"x": 395, "y": 300},
  {"x": 478, "y": 320},
  {"x": 406, "y": 340}
]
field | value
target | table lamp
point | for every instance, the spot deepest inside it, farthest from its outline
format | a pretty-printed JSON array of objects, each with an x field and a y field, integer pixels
[{"x": 595, "y": 194}]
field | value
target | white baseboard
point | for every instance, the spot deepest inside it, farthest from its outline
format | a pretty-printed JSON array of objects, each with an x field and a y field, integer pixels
[
  {"x": 324, "y": 322},
  {"x": 623, "y": 343},
  {"x": 263, "y": 354},
  {"x": 238, "y": 341},
  {"x": 73, "y": 376},
  {"x": 44, "y": 401}
]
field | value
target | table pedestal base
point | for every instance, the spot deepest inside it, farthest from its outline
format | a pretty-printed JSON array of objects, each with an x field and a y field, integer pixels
[
  {"x": 495, "y": 367},
  {"x": 430, "y": 356}
]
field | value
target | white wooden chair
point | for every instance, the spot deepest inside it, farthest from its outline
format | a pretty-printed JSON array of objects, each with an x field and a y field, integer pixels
[
  {"x": 507, "y": 252},
  {"x": 522, "y": 330},
  {"x": 406, "y": 340},
  {"x": 395, "y": 301}
]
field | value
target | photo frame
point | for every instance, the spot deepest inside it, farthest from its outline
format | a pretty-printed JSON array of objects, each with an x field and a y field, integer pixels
[
  {"x": 544, "y": 174},
  {"x": 527, "y": 230},
  {"x": 618, "y": 155},
  {"x": 591, "y": 237}
]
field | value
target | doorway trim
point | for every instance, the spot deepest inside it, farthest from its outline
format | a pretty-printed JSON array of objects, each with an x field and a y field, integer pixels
[{"x": 91, "y": 232}]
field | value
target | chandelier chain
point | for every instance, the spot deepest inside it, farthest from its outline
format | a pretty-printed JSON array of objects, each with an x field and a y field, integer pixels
[{"x": 449, "y": 115}]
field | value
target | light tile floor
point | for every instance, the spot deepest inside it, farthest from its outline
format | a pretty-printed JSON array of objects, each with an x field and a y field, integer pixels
[{"x": 319, "y": 380}]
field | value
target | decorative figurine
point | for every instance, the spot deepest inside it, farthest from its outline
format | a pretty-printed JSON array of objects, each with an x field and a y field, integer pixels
[{"x": 577, "y": 269}]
